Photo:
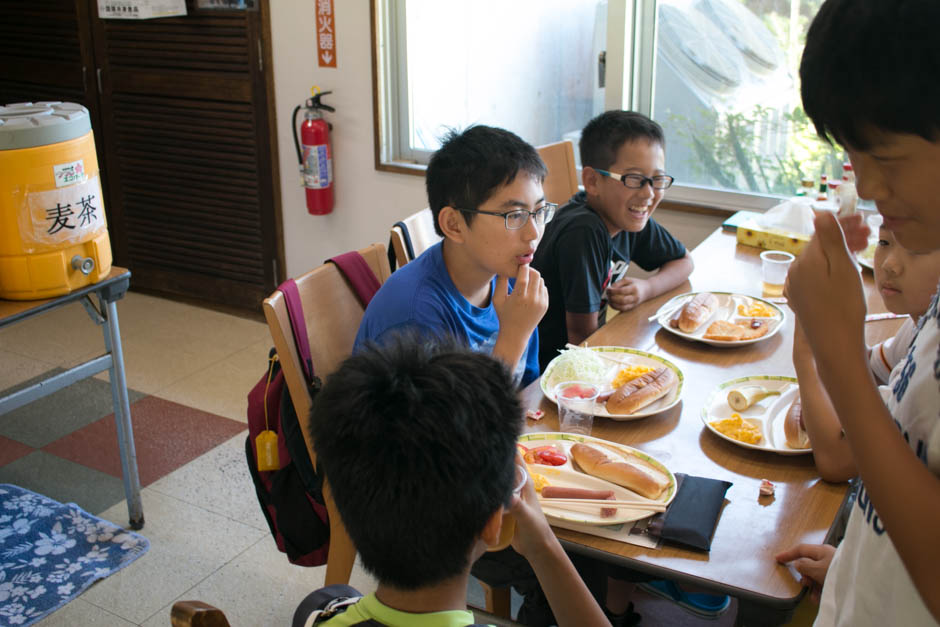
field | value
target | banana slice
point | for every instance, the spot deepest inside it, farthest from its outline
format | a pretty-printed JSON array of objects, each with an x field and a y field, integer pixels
[{"x": 742, "y": 398}]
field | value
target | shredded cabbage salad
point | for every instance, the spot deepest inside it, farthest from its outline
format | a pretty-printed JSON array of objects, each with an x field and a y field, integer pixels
[{"x": 578, "y": 364}]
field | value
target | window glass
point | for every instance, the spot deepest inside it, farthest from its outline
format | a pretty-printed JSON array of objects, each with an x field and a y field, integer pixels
[
  {"x": 525, "y": 65},
  {"x": 724, "y": 83},
  {"x": 726, "y": 91}
]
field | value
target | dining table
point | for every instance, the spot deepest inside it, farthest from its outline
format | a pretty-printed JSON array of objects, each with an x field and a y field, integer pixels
[{"x": 751, "y": 529}]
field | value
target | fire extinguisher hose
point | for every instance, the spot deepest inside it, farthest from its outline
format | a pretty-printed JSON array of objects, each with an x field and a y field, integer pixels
[{"x": 300, "y": 157}]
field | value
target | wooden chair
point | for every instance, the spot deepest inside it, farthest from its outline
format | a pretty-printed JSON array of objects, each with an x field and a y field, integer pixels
[
  {"x": 420, "y": 227},
  {"x": 332, "y": 314},
  {"x": 561, "y": 183}
]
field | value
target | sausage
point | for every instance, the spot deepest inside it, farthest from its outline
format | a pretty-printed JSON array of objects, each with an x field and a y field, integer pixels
[{"x": 561, "y": 492}]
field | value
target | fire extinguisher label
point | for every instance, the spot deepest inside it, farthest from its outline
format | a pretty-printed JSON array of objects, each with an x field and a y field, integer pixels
[{"x": 318, "y": 167}]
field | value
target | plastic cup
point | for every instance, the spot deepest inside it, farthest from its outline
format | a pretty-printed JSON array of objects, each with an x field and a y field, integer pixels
[
  {"x": 575, "y": 401},
  {"x": 774, "y": 267},
  {"x": 508, "y": 527}
]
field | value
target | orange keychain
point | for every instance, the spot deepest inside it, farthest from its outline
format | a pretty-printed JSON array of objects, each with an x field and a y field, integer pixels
[{"x": 266, "y": 442}]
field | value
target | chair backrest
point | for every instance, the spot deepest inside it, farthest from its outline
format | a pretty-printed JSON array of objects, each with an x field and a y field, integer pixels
[
  {"x": 332, "y": 314},
  {"x": 561, "y": 183},
  {"x": 420, "y": 227}
]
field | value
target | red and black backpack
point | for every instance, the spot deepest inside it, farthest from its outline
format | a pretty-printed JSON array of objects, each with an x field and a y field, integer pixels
[{"x": 291, "y": 495}]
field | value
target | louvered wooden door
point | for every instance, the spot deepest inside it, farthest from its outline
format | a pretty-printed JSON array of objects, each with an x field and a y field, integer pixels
[
  {"x": 189, "y": 131},
  {"x": 45, "y": 52},
  {"x": 46, "y": 55},
  {"x": 184, "y": 131}
]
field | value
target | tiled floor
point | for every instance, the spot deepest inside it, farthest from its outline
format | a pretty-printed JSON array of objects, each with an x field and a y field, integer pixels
[{"x": 189, "y": 370}]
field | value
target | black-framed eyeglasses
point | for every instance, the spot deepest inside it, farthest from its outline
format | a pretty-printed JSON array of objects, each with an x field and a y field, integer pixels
[
  {"x": 636, "y": 181},
  {"x": 517, "y": 218}
]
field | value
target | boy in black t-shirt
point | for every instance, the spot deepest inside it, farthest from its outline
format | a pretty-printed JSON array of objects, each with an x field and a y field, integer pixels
[{"x": 586, "y": 249}]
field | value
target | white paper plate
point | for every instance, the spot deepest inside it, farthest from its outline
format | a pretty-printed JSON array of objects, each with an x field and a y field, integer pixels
[
  {"x": 567, "y": 476},
  {"x": 769, "y": 413},
  {"x": 626, "y": 356},
  {"x": 727, "y": 310}
]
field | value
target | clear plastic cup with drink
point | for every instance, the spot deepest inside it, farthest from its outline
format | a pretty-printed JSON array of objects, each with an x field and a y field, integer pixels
[
  {"x": 576, "y": 401},
  {"x": 774, "y": 267}
]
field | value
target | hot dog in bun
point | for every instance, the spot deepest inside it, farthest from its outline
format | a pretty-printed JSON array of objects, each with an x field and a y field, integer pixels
[
  {"x": 640, "y": 392},
  {"x": 624, "y": 470},
  {"x": 793, "y": 426},
  {"x": 697, "y": 311}
]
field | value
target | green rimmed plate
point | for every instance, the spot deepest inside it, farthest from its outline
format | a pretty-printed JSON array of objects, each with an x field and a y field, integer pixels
[
  {"x": 566, "y": 475},
  {"x": 618, "y": 357},
  {"x": 727, "y": 310},
  {"x": 769, "y": 413}
]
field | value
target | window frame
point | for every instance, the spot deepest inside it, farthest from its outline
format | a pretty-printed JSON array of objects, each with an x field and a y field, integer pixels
[{"x": 629, "y": 80}]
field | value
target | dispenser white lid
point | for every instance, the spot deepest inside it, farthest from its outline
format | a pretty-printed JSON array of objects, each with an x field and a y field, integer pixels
[{"x": 29, "y": 124}]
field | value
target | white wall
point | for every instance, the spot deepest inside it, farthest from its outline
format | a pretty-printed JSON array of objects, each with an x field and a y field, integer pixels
[{"x": 368, "y": 202}]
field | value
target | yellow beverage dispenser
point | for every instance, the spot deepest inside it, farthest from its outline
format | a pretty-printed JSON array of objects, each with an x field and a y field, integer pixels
[{"x": 53, "y": 231}]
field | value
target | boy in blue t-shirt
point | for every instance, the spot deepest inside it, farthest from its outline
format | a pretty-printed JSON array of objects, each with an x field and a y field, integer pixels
[
  {"x": 485, "y": 192},
  {"x": 418, "y": 439}
]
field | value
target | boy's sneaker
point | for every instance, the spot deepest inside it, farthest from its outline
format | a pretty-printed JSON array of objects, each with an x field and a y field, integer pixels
[
  {"x": 628, "y": 619},
  {"x": 709, "y": 606}
]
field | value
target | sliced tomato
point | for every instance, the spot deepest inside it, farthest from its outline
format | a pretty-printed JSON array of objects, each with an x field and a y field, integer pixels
[
  {"x": 548, "y": 455},
  {"x": 552, "y": 457},
  {"x": 578, "y": 391}
]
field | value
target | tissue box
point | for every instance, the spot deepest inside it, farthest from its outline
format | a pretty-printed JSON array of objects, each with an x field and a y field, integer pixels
[{"x": 753, "y": 234}]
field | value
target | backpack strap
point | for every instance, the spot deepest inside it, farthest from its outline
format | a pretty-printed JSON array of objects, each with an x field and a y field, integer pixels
[
  {"x": 295, "y": 311},
  {"x": 359, "y": 274}
]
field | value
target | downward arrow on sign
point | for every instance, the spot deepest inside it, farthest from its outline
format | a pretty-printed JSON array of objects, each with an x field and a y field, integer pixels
[{"x": 327, "y": 57}]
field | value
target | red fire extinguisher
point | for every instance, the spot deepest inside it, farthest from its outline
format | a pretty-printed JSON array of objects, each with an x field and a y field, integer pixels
[{"x": 315, "y": 153}]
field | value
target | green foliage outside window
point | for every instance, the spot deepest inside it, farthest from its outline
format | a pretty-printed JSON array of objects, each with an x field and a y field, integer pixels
[{"x": 738, "y": 155}]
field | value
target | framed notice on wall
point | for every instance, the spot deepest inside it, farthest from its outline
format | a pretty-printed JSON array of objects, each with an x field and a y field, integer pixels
[{"x": 140, "y": 9}]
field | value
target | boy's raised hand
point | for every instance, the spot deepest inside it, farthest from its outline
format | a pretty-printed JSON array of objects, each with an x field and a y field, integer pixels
[
  {"x": 628, "y": 292},
  {"x": 519, "y": 312},
  {"x": 812, "y": 562},
  {"x": 568, "y": 596},
  {"x": 824, "y": 288},
  {"x": 532, "y": 529}
]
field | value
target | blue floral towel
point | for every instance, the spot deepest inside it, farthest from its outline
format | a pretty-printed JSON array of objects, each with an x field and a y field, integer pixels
[{"x": 50, "y": 552}]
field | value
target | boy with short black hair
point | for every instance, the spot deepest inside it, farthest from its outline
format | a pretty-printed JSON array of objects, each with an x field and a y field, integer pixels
[
  {"x": 588, "y": 247},
  {"x": 869, "y": 81},
  {"x": 418, "y": 439},
  {"x": 485, "y": 191}
]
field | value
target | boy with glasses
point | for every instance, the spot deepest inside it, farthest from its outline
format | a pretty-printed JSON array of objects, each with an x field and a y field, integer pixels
[
  {"x": 485, "y": 192},
  {"x": 592, "y": 241}
]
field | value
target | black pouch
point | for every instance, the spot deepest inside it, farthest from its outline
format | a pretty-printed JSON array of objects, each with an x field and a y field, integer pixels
[{"x": 692, "y": 516}]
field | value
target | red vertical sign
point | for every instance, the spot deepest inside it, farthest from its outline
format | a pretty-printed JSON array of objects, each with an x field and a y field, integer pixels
[{"x": 326, "y": 34}]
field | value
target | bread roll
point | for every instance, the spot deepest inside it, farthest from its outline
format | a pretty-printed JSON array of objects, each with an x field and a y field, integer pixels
[
  {"x": 627, "y": 471},
  {"x": 640, "y": 392},
  {"x": 697, "y": 311},
  {"x": 793, "y": 426}
]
